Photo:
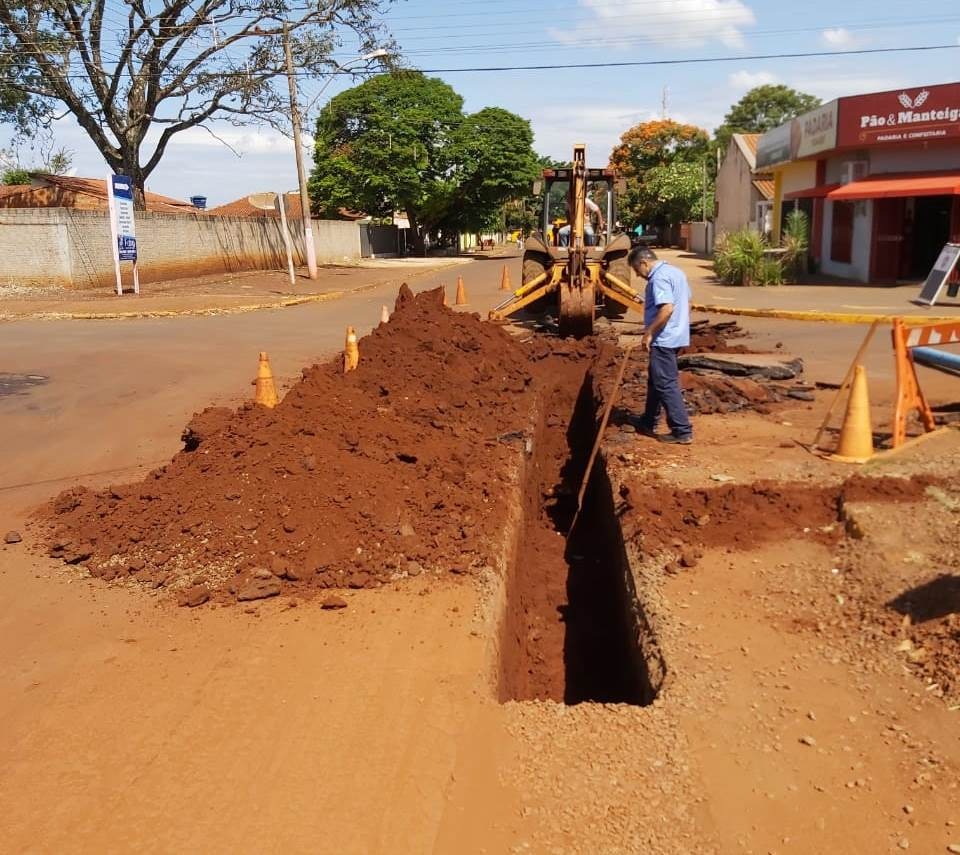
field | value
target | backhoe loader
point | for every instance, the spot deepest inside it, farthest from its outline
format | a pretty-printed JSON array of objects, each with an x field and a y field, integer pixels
[{"x": 578, "y": 279}]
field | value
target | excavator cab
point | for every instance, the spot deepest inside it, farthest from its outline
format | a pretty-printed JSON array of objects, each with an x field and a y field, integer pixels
[{"x": 580, "y": 268}]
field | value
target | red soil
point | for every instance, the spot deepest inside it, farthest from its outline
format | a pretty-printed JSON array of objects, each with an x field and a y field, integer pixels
[{"x": 397, "y": 468}]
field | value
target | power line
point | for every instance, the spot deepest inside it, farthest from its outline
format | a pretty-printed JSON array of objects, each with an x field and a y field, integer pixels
[
  {"x": 629, "y": 41},
  {"x": 692, "y": 60}
]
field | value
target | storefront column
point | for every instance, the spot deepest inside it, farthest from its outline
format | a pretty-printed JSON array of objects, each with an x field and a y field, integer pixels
[
  {"x": 777, "y": 205},
  {"x": 816, "y": 222}
]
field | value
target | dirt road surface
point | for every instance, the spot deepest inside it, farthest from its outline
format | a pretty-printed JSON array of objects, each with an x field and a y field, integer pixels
[{"x": 790, "y": 717}]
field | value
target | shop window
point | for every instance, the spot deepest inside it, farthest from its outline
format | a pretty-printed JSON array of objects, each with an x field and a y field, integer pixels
[{"x": 841, "y": 241}]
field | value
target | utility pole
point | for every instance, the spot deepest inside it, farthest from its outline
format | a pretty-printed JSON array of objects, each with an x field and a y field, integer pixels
[
  {"x": 704, "y": 190},
  {"x": 301, "y": 175}
]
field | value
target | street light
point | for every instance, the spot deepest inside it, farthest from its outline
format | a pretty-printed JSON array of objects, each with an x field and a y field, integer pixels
[{"x": 297, "y": 145}]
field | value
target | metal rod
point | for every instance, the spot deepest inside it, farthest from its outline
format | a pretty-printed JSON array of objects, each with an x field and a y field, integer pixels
[{"x": 596, "y": 445}]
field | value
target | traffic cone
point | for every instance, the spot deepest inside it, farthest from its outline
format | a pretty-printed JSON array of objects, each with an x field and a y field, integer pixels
[
  {"x": 266, "y": 391},
  {"x": 351, "y": 351},
  {"x": 505, "y": 279},
  {"x": 384, "y": 315},
  {"x": 461, "y": 293},
  {"x": 856, "y": 435},
  {"x": 444, "y": 289}
]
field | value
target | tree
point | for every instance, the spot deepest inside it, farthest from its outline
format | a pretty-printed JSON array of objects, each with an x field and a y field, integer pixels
[
  {"x": 762, "y": 109},
  {"x": 657, "y": 143},
  {"x": 171, "y": 65},
  {"x": 12, "y": 170},
  {"x": 672, "y": 193},
  {"x": 662, "y": 162},
  {"x": 400, "y": 142}
]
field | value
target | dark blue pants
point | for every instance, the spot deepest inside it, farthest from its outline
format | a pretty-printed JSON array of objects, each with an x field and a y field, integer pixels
[{"x": 663, "y": 392}]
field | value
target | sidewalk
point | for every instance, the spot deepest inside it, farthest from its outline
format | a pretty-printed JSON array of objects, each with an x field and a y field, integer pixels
[
  {"x": 858, "y": 302},
  {"x": 227, "y": 293}
]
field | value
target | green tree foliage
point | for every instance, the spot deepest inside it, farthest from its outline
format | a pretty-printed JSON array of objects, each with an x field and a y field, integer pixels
[
  {"x": 12, "y": 171},
  {"x": 762, "y": 109},
  {"x": 401, "y": 142},
  {"x": 672, "y": 193},
  {"x": 135, "y": 74}
]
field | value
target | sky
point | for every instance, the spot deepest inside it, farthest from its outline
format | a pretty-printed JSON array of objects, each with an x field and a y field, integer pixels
[{"x": 595, "y": 105}]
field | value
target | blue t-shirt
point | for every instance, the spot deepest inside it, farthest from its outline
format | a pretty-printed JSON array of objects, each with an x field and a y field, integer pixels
[{"x": 667, "y": 284}]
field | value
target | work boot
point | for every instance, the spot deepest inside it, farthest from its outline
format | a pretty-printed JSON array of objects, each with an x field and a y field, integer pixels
[{"x": 673, "y": 439}]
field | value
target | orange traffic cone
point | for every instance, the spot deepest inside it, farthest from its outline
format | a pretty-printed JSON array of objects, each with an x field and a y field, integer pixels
[
  {"x": 505, "y": 279},
  {"x": 351, "y": 351},
  {"x": 384, "y": 315},
  {"x": 856, "y": 435},
  {"x": 266, "y": 391},
  {"x": 444, "y": 289},
  {"x": 461, "y": 293}
]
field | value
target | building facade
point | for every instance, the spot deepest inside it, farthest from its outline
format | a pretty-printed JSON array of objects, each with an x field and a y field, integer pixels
[
  {"x": 879, "y": 176},
  {"x": 744, "y": 195}
]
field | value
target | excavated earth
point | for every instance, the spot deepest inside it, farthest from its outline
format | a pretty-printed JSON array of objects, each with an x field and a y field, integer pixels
[{"x": 353, "y": 480}]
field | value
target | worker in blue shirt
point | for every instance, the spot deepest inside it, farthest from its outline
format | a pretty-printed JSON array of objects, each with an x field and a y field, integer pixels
[{"x": 666, "y": 319}]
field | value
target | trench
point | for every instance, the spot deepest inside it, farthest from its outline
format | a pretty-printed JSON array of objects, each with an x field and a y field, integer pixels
[{"x": 572, "y": 628}]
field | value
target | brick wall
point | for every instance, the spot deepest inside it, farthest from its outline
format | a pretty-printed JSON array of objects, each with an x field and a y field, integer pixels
[{"x": 71, "y": 248}]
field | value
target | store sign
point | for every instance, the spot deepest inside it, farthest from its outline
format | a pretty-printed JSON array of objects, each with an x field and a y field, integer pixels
[
  {"x": 121, "y": 189},
  {"x": 816, "y": 131},
  {"x": 901, "y": 116},
  {"x": 774, "y": 147}
]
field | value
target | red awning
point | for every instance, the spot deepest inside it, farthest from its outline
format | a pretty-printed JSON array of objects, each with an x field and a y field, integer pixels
[
  {"x": 812, "y": 192},
  {"x": 890, "y": 186}
]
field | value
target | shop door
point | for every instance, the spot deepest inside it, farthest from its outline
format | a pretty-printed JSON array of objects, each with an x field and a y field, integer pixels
[{"x": 888, "y": 217}]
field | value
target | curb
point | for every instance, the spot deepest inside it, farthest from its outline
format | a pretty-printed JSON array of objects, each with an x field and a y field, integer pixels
[
  {"x": 136, "y": 314},
  {"x": 824, "y": 317},
  {"x": 179, "y": 313}
]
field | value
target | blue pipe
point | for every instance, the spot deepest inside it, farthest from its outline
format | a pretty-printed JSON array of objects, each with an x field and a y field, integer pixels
[{"x": 941, "y": 360}]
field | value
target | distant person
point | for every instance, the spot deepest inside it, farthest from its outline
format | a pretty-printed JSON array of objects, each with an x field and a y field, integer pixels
[{"x": 666, "y": 320}]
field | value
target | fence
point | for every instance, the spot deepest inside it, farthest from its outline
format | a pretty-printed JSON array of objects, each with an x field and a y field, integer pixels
[{"x": 70, "y": 248}]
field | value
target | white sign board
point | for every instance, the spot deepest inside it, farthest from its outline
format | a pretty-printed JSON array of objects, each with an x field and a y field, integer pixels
[
  {"x": 942, "y": 268},
  {"x": 120, "y": 204}
]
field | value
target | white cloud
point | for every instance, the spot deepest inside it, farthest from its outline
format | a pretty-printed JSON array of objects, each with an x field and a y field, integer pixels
[
  {"x": 598, "y": 126},
  {"x": 840, "y": 38},
  {"x": 677, "y": 23},
  {"x": 744, "y": 80}
]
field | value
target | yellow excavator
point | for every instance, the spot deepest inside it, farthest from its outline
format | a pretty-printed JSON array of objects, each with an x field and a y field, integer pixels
[{"x": 589, "y": 273}]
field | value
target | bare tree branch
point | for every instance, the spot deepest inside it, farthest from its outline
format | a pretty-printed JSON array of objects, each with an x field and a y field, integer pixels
[{"x": 119, "y": 83}]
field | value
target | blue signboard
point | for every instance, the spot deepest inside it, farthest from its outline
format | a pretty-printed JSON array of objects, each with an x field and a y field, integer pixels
[{"x": 122, "y": 191}]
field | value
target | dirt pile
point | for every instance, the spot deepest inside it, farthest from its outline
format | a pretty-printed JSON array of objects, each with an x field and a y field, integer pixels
[
  {"x": 398, "y": 468},
  {"x": 743, "y": 516}
]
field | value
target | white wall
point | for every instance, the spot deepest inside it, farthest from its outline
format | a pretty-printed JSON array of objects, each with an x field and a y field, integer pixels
[
  {"x": 859, "y": 267},
  {"x": 701, "y": 238},
  {"x": 71, "y": 249}
]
